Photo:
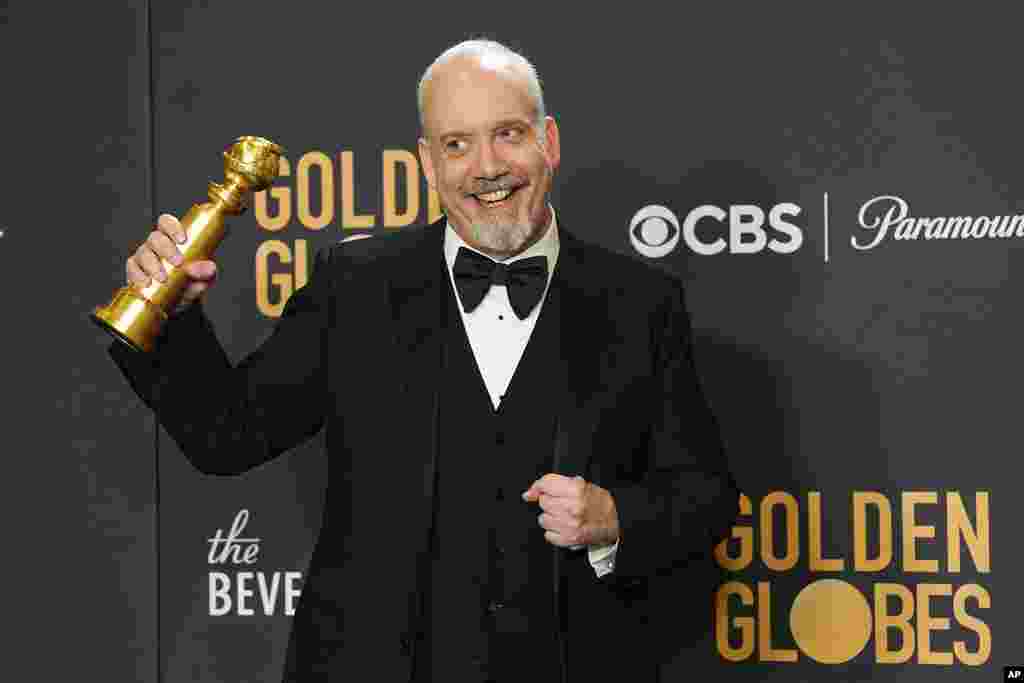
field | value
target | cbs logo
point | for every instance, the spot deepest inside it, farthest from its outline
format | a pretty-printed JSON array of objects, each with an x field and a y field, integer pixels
[{"x": 708, "y": 230}]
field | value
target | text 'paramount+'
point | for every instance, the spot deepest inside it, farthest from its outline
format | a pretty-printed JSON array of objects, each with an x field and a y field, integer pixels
[{"x": 890, "y": 216}]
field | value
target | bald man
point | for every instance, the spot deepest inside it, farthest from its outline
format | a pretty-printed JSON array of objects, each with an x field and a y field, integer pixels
[{"x": 519, "y": 448}]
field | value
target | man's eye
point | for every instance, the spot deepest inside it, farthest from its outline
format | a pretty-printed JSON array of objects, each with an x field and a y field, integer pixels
[
  {"x": 511, "y": 133},
  {"x": 456, "y": 146}
]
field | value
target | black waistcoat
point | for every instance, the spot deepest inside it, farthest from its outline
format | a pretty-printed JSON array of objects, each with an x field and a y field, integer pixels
[{"x": 489, "y": 611}]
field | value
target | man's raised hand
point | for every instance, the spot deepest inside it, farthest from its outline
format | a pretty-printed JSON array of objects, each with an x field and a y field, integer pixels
[{"x": 144, "y": 265}]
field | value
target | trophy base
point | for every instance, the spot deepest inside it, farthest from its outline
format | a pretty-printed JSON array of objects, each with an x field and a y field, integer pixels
[{"x": 131, "y": 319}]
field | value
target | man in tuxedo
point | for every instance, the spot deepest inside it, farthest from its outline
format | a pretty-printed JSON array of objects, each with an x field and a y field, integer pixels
[{"x": 521, "y": 462}]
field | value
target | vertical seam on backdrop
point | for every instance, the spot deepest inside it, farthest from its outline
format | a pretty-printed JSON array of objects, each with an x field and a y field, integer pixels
[{"x": 150, "y": 189}]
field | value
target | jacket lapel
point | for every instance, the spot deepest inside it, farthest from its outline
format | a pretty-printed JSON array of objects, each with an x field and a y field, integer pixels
[
  {"x": 581, "y": 306},
  {"x": 584, "y": 328},
  {"x": 416, "y": 289}
]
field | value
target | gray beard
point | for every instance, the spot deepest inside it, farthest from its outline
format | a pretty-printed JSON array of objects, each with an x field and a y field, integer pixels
[{"x": 504, "y": 239}]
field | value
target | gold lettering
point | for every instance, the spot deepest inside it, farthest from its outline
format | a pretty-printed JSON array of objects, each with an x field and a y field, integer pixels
[
  {"x": 349, "y": 219},
  {"x": 958, "y": 526},
  {"x": 283, "y": 281},
  {"x": 306, "y": 217},
  {"x": 788, "y": 561},
  {"x": 926, "y": 623},
  {"x": 745, "y": 625},
  {"x": 884, "y": 622},
  {"x": 746, "y": 538},
  {"x": 301, "y": 260},
  {"x": 814, "y": 532},
  {"x": 861, "y": 561},
  {"x": 912, "y": 531},
  {"x": 391, "y": 159},
  {"x": 283, "y": 197},
  {"x": 764, "y": 628},
  {"x": 981, "y": 595}
]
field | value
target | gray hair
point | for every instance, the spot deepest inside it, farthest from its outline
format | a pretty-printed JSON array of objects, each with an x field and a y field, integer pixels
[{"x": 483, "y": 48}]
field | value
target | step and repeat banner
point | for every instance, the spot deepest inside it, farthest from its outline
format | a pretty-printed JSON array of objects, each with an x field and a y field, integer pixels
[{"x": 841, "y": 196}]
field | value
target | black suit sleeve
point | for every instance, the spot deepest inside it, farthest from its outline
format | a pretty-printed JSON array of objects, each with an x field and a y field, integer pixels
[
  {"x": 688, "y": 500},
  {"x": 225, "y": 419}
]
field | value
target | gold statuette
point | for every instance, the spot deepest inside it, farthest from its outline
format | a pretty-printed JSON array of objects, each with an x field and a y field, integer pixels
[{"x": 135, "y": 316}]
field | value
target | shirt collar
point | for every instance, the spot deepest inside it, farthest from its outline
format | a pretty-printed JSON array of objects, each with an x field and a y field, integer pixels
[{"x": 547, "y": 246}]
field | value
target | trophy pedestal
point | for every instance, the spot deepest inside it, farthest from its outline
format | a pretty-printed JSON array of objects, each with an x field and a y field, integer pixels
[{"x": 131, "y": 319}]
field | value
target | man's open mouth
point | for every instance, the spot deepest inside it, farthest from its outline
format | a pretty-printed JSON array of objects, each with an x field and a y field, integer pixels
[{"x": 496, "y": 197}]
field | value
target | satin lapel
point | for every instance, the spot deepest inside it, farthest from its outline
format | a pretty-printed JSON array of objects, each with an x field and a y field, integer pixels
[
  {"x": 416, "y": 292},
  {"x": 584, "y": 327}
]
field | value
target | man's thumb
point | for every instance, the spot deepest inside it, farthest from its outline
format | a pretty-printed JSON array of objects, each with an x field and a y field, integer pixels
[{"x": 202, "y": 270}]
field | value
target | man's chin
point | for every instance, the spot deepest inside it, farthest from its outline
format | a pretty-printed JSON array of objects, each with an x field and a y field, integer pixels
[
  {"x": 495, "y": 232},
  {"x": 500, "y": 239}
]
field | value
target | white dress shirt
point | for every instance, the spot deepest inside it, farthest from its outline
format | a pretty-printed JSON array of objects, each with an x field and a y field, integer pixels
[{"x": 498, "y": 339}]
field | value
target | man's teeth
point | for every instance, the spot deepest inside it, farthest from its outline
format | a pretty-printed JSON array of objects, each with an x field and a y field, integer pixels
[{"x": 494, "y": 196}]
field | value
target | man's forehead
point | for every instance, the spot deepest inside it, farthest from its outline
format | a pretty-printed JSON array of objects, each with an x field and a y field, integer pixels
[
  {"x": 487, "y": 65},
  {"x": 495, "y": 80}
]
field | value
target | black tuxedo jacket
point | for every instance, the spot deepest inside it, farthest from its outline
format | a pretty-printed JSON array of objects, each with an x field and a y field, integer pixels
[{"x": 357, "y": 351}]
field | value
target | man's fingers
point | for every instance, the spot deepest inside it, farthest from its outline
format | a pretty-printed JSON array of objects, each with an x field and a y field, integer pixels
[
  {"x": 557, "y": 485},
  {"x": 163, "y": 245},
  {"x": 165, "y": 248},
  {"x": 201, "y": 270},
  {"x": 561, "y": 525},
  {"x": 560, "y": 506},
  {"x": 136, "y": 276},
  {"x": 170, "y": 225},
  {"x": 555, "y": 538},
  {"x": 149, "y": 263}
]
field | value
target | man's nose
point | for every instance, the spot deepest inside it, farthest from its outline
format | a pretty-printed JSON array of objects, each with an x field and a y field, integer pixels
[{"x": 490, "y": 163}]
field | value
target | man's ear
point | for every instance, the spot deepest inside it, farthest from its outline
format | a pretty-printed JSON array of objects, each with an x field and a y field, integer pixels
[
  {"x": 427, "y": 163},
  {"x": 552, "y": 142}
]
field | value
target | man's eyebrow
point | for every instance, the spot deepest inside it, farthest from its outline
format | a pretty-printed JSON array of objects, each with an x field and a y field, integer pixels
[
  {"x": 504, "y": 123},
  {"x": 453, "y": 134}
]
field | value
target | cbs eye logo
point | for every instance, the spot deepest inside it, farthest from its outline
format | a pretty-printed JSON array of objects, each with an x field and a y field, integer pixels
[
  {"x": 654, "y": 231},
  {"x": 740, "y": 228}
]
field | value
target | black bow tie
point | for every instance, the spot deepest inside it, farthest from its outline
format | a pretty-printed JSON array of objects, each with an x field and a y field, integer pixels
[{"x": 475, "y": 273}]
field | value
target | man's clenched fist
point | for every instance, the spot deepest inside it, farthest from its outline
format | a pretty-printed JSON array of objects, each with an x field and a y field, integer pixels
[{"x": 575, "y": 511}]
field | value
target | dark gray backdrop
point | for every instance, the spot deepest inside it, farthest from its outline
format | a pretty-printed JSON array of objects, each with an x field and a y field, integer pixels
[{"x": 892, "y": 369}]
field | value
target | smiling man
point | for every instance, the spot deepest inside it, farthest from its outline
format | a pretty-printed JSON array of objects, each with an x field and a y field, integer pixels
[
  {"x": 520, "y": 456},
  {"x": 488, "y": 147}
]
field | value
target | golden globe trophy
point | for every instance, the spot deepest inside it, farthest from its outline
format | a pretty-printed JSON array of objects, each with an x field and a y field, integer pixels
[{"x": 135, "y": 316}]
